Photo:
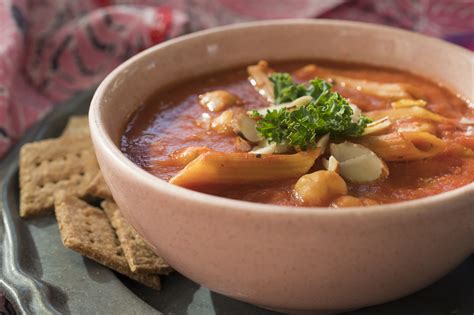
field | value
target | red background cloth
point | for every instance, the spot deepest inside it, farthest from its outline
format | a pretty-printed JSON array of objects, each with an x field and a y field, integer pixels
[{"x": 53, "y": 49}]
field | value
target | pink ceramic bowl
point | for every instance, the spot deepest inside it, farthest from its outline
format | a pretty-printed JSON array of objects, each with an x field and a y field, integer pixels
[{"x": 284, "y": 258}]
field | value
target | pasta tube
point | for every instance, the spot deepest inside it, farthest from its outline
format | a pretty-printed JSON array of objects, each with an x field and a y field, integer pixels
[
  {"x": 241, "y": 168},
  {"x": 259, "y": 79},
  {"x": 393, "y": 91},
  {"x": 404, "y": 103},
  {"x": 183, "y": 157},
  {"x": 404, "y": 146},
  {"x": 406, "y": 112},
  {"x": 417, "y": 126}
]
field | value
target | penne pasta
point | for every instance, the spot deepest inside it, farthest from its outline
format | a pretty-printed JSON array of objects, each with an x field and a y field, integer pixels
[
  {"x": 458, "y": 149},
  {"x": 404, "y": 146},
  {"x": 307, "y": 72},
  {"x": 183, "y": 157},
  {"x": 404, "y": 103},
  {"x": 239, "y": 168},
  {"x": 406, "y": 112},
  {"x": 417, "y": 126},
  {"x": 393, "y": 91}
]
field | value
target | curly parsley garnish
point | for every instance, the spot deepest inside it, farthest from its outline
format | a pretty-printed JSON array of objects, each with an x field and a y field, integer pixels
[
  {"x": 285, "y": 89},
  {"x": 328, "y": 112}
]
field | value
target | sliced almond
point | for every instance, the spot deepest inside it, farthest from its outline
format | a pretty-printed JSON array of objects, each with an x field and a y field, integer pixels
[
  {"x": 297, "y": 103},
  {"x": 332, "y": 164},
  {"x": 264, "y": 149},
  {"x": 364, "y": 169},
  {"x": 356, "y": 113},
  {"x": 358, "y": 164},
  {"x": 301, "y": 101},
  {"x": 347, "y": 150},
  {"x": 377, "y": 126},
  {"x": 264, "y": 110},
  {"x": 323, "y": 143},
  {"x": 247, "y": 128}
]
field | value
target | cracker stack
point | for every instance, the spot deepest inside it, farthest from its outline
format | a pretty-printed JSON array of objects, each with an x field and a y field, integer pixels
[
  {"x": 139, "y": 256},
  {"x": 60, "y": 175}
]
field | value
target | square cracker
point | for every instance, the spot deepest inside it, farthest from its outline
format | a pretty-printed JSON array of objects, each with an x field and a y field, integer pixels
[
  {"x": 51, "y": 165},
  {"x": 139, "y": 256},
  {"x": 77, "y": 126},
  {"x": 87, "y": 230},
  {"x": 98, "y": 188}
]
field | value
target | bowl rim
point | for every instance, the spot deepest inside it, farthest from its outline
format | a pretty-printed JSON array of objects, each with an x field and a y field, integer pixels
[{"x": 216, "y": 201}]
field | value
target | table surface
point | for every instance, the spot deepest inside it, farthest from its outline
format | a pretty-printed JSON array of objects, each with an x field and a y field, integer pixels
[{"x": 39, "y": 275}]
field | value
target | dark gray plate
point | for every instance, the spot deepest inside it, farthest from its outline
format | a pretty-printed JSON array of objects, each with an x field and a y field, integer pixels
[{"x": 40, "y": 276}]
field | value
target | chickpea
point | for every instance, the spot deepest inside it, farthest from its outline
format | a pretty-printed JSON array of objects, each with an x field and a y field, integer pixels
[
  {"x": 319, "y": 188},
  {"x": 350, "y": 201},
  {"x": 217, "y": 101},
  {"x": 223, "y": 123}
]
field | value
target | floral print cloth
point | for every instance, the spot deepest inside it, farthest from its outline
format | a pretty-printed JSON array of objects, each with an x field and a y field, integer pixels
[{"x": 52, "y": 49}]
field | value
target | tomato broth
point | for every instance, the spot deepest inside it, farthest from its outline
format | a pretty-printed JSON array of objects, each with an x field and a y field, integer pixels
[{"x": 167, "y": 122}]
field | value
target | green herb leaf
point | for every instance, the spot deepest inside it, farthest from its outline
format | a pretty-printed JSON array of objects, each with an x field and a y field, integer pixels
[
  {"x": 285, "y": 89},
  {"x": 328, "y": 112}
]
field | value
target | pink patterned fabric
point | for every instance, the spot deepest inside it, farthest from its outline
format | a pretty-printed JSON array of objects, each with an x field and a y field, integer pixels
[{"x": 52, "y": 49}]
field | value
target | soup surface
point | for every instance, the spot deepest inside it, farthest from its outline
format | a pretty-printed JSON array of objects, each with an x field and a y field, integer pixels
[{"x": 175, "y": 119}]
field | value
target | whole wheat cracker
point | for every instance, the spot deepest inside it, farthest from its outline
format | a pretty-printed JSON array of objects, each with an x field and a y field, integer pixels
[
  {"x": 87, "y": 230},
  {"x": 51, "y": 165},
  {"x": 98, "y": 188},
  {"x": 77, "y": 126},
  {"x": 139, "y": 256}
]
